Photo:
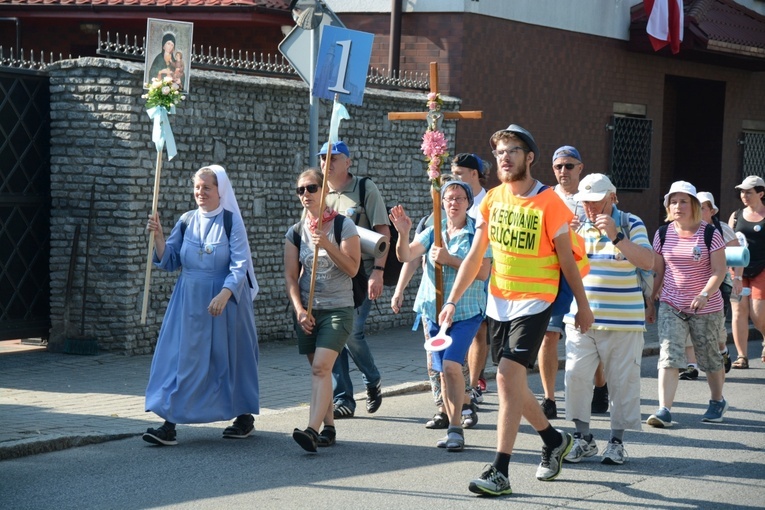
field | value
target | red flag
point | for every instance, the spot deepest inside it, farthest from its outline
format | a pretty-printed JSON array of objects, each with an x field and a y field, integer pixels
[{"x": 665, "y": 23}]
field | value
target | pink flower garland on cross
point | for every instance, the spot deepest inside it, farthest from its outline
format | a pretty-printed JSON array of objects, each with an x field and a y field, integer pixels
[{"x": 434, "y": 143}]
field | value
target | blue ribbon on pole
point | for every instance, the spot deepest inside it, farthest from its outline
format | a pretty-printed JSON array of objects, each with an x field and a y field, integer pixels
[
  {"x": 338, "y": 113},
  {"x": 162, "y": 133}
]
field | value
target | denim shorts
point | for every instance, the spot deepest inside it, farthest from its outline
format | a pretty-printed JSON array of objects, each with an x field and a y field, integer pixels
[
  {"x": 462, "y": 333},
  {"x": 556, "y": 324}
]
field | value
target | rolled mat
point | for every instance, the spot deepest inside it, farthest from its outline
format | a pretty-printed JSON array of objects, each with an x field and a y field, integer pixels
[
  {"x": 372, "y": 243},
  {"x": 736, "y": 256}
]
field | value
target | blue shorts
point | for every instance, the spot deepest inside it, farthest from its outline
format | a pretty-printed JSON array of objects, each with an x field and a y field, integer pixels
[
  {"x": 556, "y": 324},
  {"x": 462, "y": 333}
]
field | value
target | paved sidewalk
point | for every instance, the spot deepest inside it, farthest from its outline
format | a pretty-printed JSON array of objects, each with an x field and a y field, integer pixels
[{"x": 52, "y": 401}]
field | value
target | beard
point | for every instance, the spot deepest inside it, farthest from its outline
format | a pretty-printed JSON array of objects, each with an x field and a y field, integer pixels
[{"x": 518, "y": 173}]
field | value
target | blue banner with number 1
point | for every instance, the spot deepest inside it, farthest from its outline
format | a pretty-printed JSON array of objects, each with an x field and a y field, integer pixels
[{"x": 342, "y": 64}]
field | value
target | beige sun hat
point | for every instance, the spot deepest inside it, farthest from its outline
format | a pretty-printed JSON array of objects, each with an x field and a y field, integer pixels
[{"x": 705, "y": 196}]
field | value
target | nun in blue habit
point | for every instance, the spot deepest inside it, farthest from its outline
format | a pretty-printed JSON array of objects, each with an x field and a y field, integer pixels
[{"x": 205, "y": 365}]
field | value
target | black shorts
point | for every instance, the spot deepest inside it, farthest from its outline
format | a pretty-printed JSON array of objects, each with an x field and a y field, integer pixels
[{"x": 519, "y": 339}]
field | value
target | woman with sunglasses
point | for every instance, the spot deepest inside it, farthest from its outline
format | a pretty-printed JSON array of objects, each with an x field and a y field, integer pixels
[
  {"x": 458, "y": 230},
  {"x": 688, "y": 276},
  {"x": 322, "y": 333}
]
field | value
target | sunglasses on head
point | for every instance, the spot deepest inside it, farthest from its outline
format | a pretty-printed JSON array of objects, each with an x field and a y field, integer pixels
[
  {"x": 567, "y": 166},
  {"x": 311, "y": 188}
]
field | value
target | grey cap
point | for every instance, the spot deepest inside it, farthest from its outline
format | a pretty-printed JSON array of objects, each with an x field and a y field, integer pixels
[{"x": 523, "y": 135}]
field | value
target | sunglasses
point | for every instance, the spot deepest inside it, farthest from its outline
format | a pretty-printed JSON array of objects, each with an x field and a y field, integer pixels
[
  {"x": 681, "y": 315},
  {"x": 567, "y": 166},
  {"x": 311, "y": 188}
]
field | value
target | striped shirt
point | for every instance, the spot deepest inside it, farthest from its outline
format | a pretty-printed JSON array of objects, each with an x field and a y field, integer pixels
[
  {"x": 687, "y": 268},
  {"x": 473, "y": 301},
  {"x": 612, "y": 286}
]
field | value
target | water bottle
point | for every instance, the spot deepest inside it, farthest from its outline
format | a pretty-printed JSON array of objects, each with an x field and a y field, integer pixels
[{"x": 746, "y": 291}]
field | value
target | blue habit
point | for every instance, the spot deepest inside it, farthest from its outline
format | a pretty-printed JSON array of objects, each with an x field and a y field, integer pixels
[{"x": 205, "y": 368}]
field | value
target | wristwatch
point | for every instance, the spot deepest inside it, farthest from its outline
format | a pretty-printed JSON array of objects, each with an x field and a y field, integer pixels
[
  {"x": 704, "y": 294},
  {"x": 619, "y": 237}
]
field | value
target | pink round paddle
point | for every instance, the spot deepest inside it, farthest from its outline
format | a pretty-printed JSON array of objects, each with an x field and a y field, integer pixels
[{"x": 439, "y": 342}]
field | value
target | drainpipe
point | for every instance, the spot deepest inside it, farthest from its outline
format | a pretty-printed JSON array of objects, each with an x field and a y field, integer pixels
[
  {"x": 18, "y": 35},
  {"x": 394, "y": 54}
]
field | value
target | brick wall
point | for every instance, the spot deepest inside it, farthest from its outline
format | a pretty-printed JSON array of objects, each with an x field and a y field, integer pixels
[
  {"x": 562, "y": 86},
  {"x": 257, "y": 128}
]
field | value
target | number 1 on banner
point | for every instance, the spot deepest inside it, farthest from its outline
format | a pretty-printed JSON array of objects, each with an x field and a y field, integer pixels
[
  {"x": 339, "y": 86},
  {"x": 342, "y": 64}
]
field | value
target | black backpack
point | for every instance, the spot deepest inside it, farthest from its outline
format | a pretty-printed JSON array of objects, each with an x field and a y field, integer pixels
[
  {"x": 360, "y": 281},
  {"x": 392, "y": 264},
  {"x": 709, "y": 231}
]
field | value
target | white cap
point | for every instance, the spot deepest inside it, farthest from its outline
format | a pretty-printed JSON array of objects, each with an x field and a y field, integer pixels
[
  {"x": 680, "y": 187},
  {"x": 705, "y": 196},
  {"x": 750, "y": 182},
  {"x": 594, "y": 188}
]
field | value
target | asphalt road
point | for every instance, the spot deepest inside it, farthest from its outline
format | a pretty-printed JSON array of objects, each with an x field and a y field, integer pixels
[{"x": 389, "y": 460}]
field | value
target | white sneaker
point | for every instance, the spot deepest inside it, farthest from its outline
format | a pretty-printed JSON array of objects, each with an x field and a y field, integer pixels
[
  {"x": 491, "y": 482},
  {"x": 552, "y": 458},
  {"x": 581, "y": 449},
  {"x": 614, "y": 454}
]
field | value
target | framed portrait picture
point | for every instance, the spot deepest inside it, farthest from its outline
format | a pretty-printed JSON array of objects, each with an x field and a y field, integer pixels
[{"x": 168, "y": 51}]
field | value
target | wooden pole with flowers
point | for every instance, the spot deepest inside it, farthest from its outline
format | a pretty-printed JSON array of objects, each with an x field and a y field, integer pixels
[
  {"x": 434, "y": 147},
  {"x": 161, "y": 98}
]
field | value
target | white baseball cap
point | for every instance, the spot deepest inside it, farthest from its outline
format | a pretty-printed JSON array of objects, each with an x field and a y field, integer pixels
[
  {"x": 705, "y": 196},
  {"x": 680, "y": 187},
  {"x": 750, "y": 182},
  {"x": 594, "y": 188}
]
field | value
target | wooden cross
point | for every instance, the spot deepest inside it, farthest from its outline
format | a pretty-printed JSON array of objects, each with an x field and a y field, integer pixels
[{"x": 433, "y": 192}]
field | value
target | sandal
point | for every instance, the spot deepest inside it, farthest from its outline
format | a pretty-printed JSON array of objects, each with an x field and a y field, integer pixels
[
  {"x": 439, "y": 421},
  {"x": 161, "y": 436},
  {"x": 307, "y": 439},
  {"x": 741, "y": 362},
  {"x": 762, "y": 355},
  {"x": 243, "y": 426},
  {"x": 455, "y": 441},
  {"x": 327, "y": 436}
]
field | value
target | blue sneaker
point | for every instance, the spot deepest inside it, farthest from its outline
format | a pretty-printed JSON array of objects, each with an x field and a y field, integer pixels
[
  {"x": 715, "y": 411},
  {"x": 661, "y": 419}
]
